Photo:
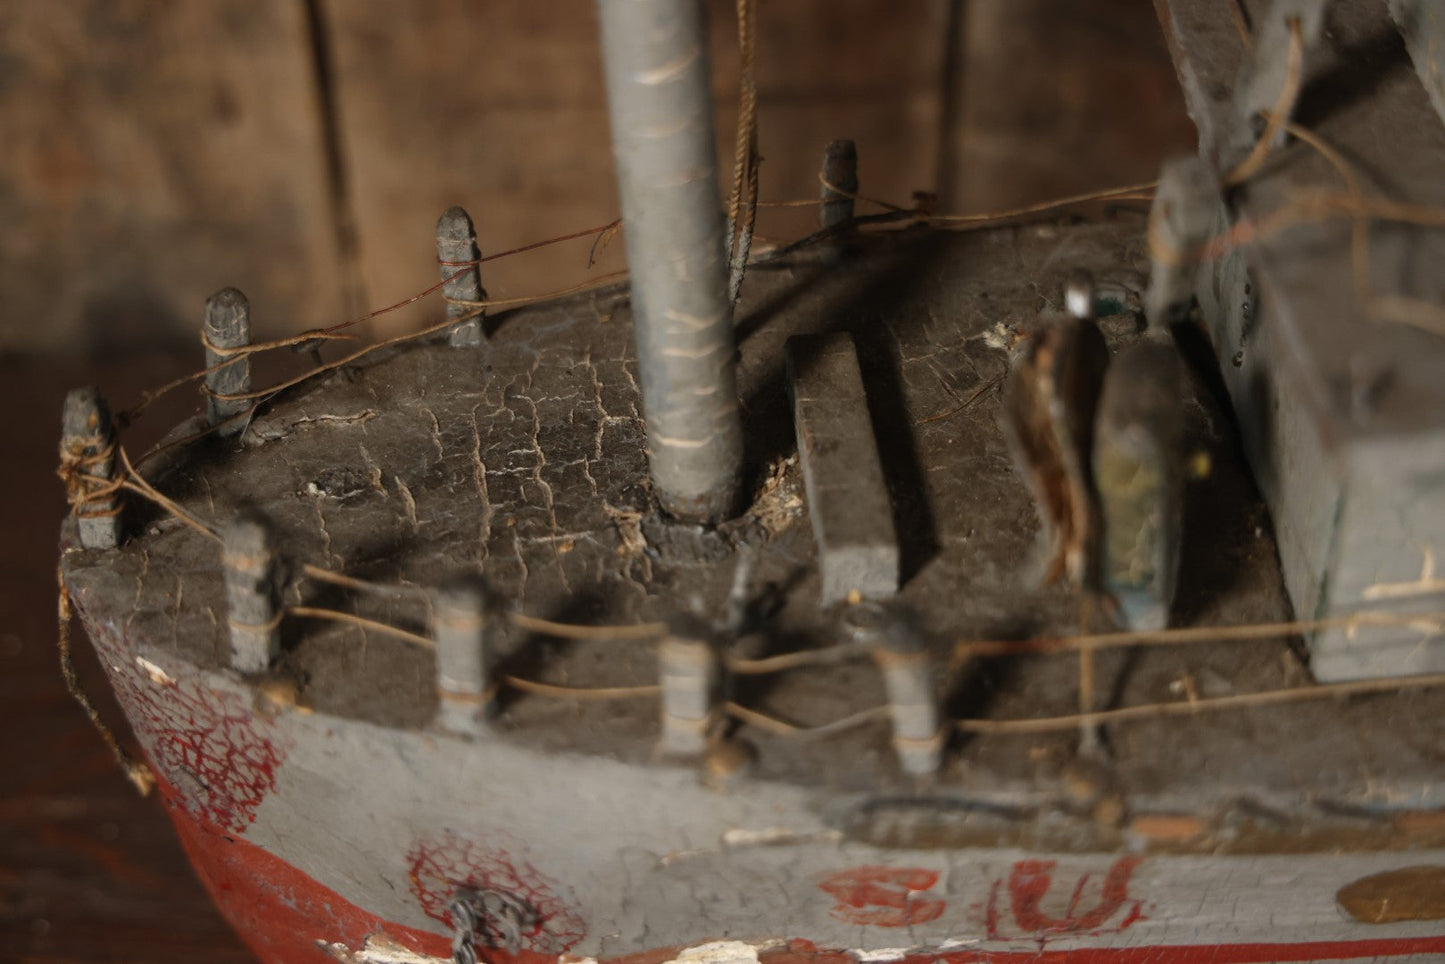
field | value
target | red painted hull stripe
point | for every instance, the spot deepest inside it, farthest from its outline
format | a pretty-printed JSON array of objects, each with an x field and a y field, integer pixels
[{"x": 1206, "y": 953}]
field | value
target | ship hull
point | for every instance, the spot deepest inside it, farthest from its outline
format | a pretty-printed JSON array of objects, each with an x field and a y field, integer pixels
[{"x": 326, "y": 839}]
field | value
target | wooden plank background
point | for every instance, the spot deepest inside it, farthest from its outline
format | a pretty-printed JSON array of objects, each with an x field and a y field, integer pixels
[
  {"x": 152, "y": 151},
  {"x": 156, "y": 150},
  {"x": 521, "y": 139}
]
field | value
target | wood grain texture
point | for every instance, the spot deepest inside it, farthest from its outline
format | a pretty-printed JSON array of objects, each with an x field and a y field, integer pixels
[
  {"x": 155, "y": 152},
  {"x": 496, "y": 107},
  {"x": 500, "y": 108},
  {"x": 857, "y": 69},
  {"x": 1060, "y": 98}
]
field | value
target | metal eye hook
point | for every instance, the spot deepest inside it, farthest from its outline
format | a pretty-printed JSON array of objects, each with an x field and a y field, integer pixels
[
  {"x": 498, "y": 917},
  {"x": 463, "y": 911},
  {"x": 506, "y": 917}
]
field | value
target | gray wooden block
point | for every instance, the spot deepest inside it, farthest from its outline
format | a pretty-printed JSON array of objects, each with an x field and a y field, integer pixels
[
  {"x": 1341, "y": 408},
  {"x": 227, "y": 325},
  {"x": 248, "y": 560},
  {"x": 1138, "y": 471},
  {"x": 463, "y": 685},
  {"x": 847, "y": 495},
  {"x": 456, "y": 245},
  {"x": 87, "y": 450}
]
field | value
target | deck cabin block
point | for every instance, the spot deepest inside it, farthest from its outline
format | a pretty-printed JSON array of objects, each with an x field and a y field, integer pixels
[
  {"x": 842, "y": 472},
  {"x": 1340, "y": 395}
]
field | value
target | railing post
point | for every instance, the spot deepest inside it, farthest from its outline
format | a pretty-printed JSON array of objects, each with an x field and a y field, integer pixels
[
  {"x": 688, "y": 670},
  {"x": 248, "y": 559},
  {"x": 463, "y": 690},
  {"x": 227, "y": 327},
  {"x": 456, "y": 246},
  {"x": 87, "y": 453}
]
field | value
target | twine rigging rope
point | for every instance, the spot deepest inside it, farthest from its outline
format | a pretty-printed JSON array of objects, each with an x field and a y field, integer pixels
[
  {"x": 89, "y": 493},
  {"x": 136, "y": 771},
  {"x": 743, "y": 207},
  {"x": 142, "y": 778},
  {"x": 1276, "y": 119},
  {"x": 88, "y": 489}
]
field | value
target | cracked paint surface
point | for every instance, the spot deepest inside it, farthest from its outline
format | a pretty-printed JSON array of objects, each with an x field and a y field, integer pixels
[
  {"x": 219, "y": 758},
  {"x": 524, "y": 462}
]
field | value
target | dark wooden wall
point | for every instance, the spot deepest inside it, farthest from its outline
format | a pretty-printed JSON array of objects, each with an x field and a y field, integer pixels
[{"x": 155, "y": 150}]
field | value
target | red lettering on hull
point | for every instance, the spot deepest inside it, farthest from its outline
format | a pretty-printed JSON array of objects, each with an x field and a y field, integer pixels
[
  {"x": 1029, "y": 883},
  {"x": 883, "y": 896},
  {"x": 285, "y": 916}
]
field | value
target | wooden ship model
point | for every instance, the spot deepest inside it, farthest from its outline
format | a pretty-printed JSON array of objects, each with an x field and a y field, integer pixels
[{"x": 912, "y": 600}]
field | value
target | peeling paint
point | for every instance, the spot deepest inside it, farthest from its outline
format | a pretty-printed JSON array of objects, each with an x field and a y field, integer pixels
[
  {"x": 739, "y": 837},
  {"x": 380, "y": 949},
  {"x": 718, "y": 952},
  {"x": 157, "y": 675},
  {"x": 955, "y": 943}
]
